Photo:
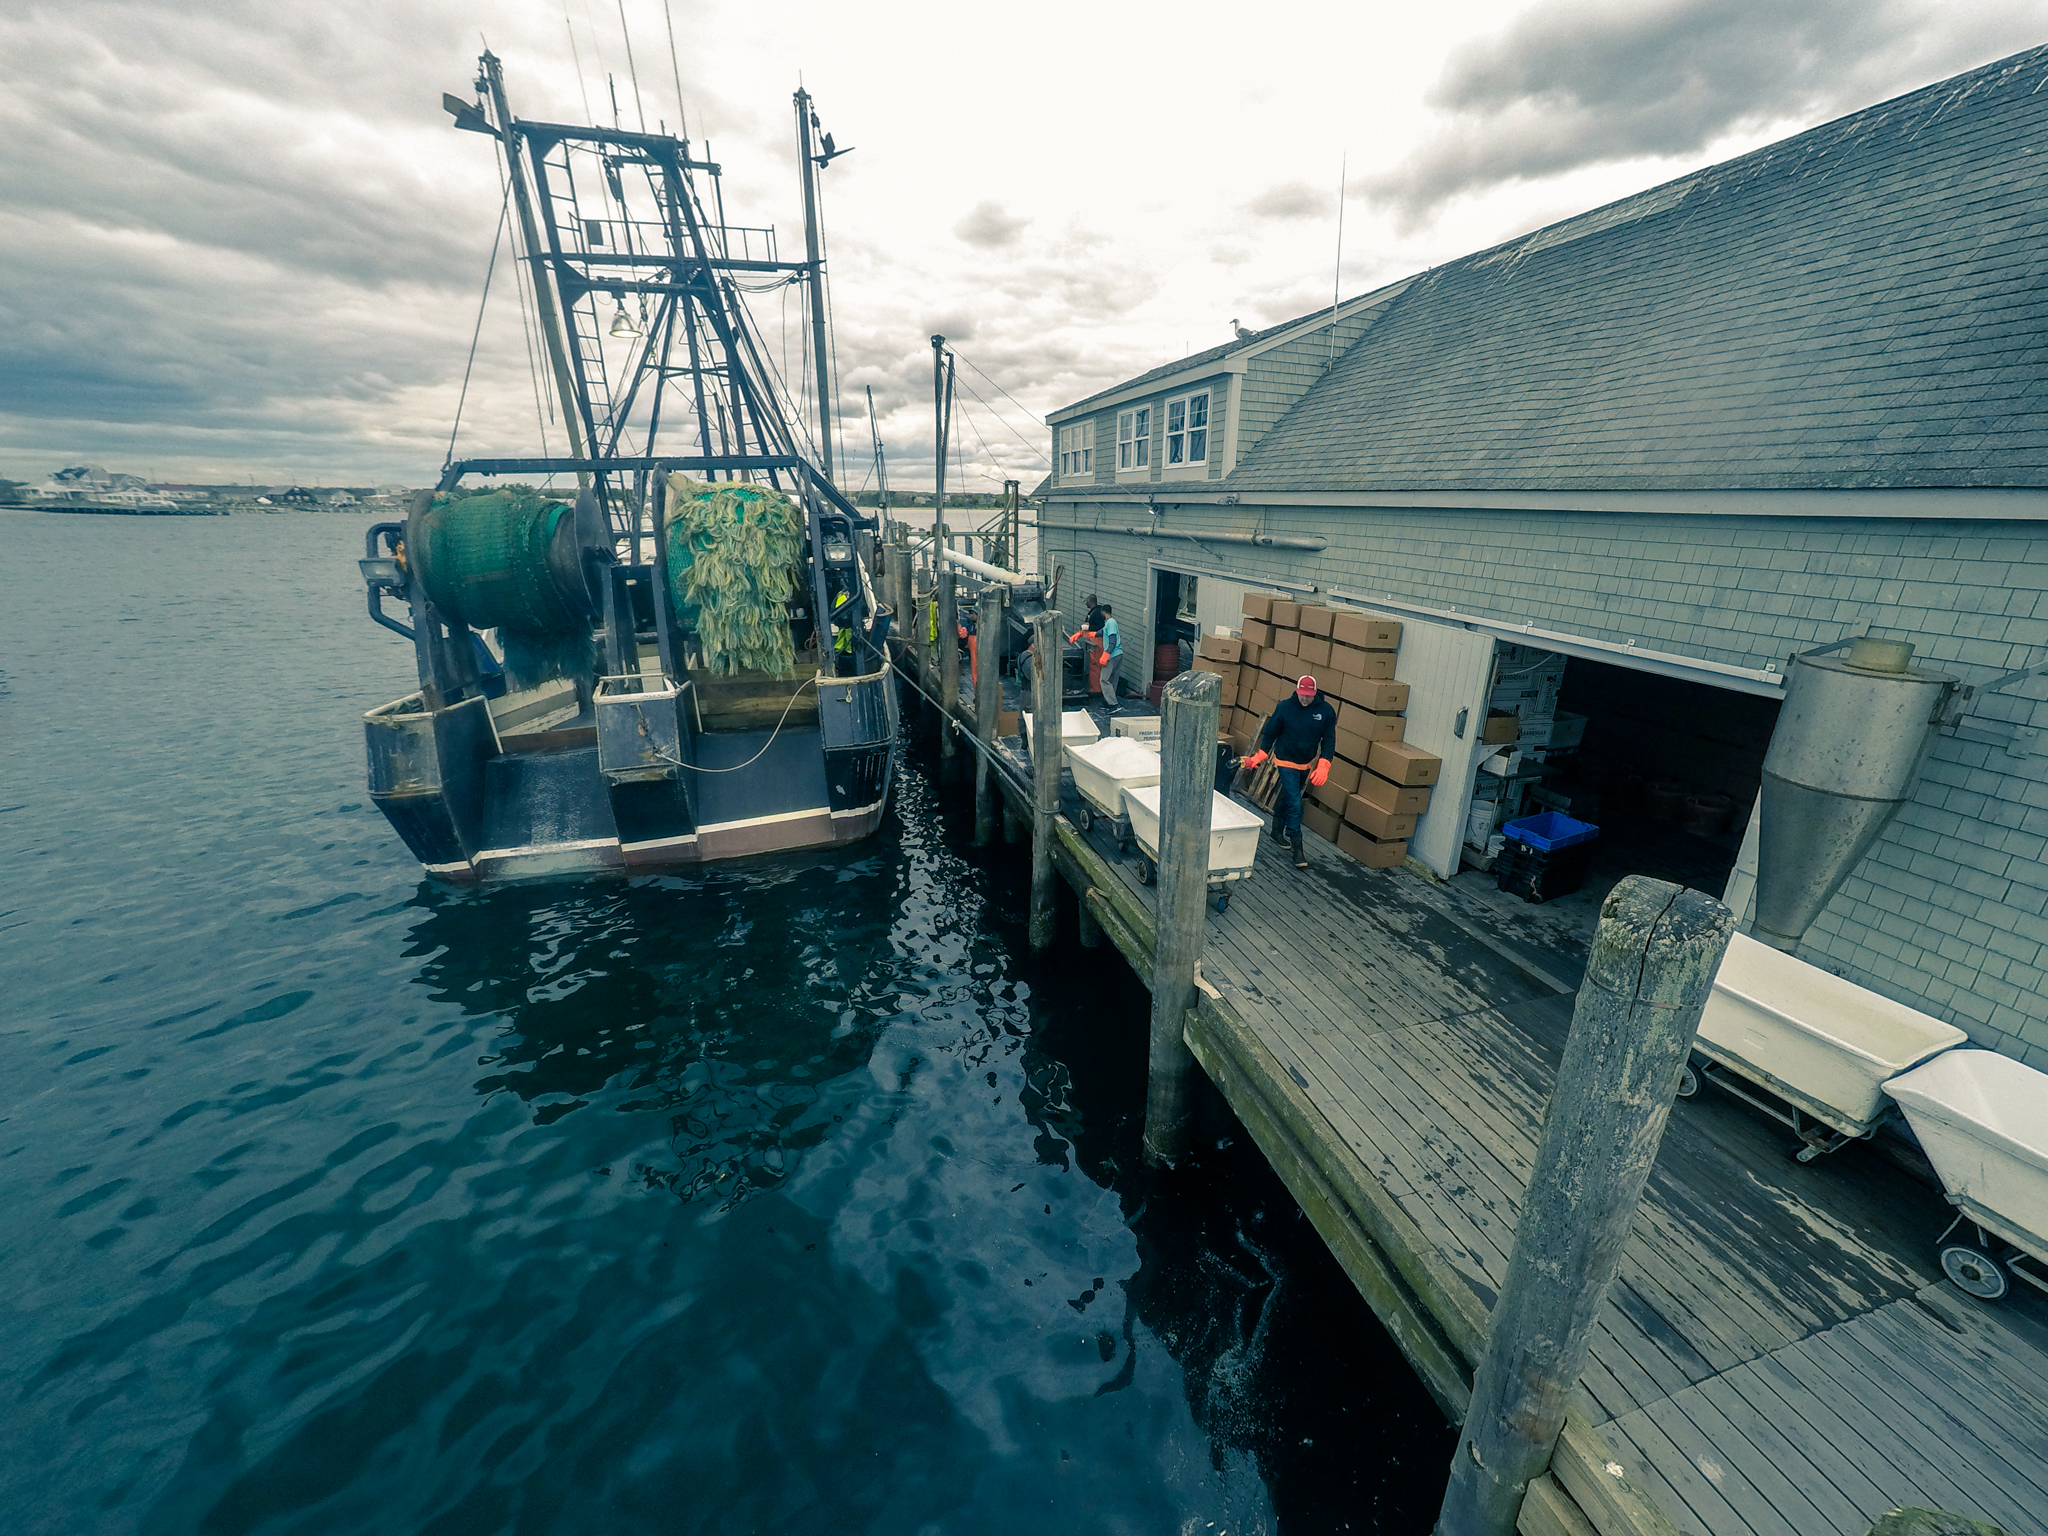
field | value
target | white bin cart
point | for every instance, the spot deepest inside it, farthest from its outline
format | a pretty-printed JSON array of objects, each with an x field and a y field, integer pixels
[
  {"x": 1823, "y": 1046},
  {"x": 1982, "y": 1119},
  {"x": 1077, "y": 729},
  {"x": 1103, "y": 771},
  {"x": 1233, "y": 839}
]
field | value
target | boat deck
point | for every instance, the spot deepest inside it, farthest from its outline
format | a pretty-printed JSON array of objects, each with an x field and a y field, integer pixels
[{"x": 1780, "y": 1354}]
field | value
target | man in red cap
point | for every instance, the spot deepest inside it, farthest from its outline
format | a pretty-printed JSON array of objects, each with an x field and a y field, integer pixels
[{"x": 1302, "y": 736}]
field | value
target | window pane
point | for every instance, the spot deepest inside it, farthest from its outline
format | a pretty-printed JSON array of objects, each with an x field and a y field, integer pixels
[
  {"x": 1087, "y": 458},
  {"x": 1173, "y": 440},
  {"x": 1142, "y": 422},
  {"x": 1176, "y": 415},
  {"x": 1123, "y": 427},
  {"x": 1144, "y": 447},
  {"x": 1198, "y": 446},
  {"x": 1198, "y": 411}
]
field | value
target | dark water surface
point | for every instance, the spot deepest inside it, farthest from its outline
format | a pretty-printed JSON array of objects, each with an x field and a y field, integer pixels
[{"x": 786, "y": 1196}]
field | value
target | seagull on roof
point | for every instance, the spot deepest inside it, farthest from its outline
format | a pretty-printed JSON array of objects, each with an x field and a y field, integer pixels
[{"x": 1242, "y": 333}]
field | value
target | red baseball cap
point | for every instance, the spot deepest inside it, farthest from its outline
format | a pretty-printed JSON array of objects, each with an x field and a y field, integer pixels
[{"x": 1306, "y": 685}]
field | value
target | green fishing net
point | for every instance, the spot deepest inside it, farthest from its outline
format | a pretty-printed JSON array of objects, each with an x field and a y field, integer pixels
[{"x": 732, "y": 554}]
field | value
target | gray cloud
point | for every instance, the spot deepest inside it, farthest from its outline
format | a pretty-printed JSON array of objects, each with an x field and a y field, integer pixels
[
  {"x": 1584, "y": 82},
  {"x": 1293, "y": 200},
  {"x": 988, "y": 226}
]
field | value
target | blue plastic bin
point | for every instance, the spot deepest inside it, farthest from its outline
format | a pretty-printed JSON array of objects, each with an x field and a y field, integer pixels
[{"x": 1550, "y": 831}]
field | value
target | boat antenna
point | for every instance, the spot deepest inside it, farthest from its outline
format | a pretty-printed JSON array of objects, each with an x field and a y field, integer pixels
[
  {"x": 682, "y": 116},
  {"x": 881, "y": 463}
]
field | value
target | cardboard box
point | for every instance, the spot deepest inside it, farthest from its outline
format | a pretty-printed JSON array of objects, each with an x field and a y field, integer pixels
[
  {"x": 1315, "y": 620},
  {"x": 1366, "y": 631},
  {"x": 1252, "y": 651},
  {"x": 1396, "y": 799},
  {"x": 1357, "y": 748},
  {"x": 1256, "y": 631},
  {"x": 1285, "y": 615},
  {"x": 1286, "y": 642},
  {"x": 1227, "y": 670},
  {"x": 1009, "y": 722},
  {"x": 1501, "y": 728},
  {"x": 1370, "y": 725},
  {"x": 1326, "y": 824},
  {"x": 1375, "y": 666},
  {"x": 1404, "y": 764},
  {"x": 1314, "y": 651},
  {"x": 1329, "y": 796},
  {"x": 1347, "y": 660},
  {"x": 1382, "y": 697},
  {"x": 1374, "y": 822},
  {"x": 1372, "y": 854},
  {"x": 1217, "y": 648},
  {"x": 1257, "y": 605},
  {"x": 1344, "y": 774},
  {"x": 1246, "y": 687}
]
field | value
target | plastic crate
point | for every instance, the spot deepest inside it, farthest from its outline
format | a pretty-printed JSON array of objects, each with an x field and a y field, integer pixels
[
  {"x": 1538, "y": 874},
  {"x": 1551, "y": 831}
]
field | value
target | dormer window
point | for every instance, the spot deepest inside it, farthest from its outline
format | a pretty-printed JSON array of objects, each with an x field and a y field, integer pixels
[
  {"x": 1187, "y": 429},
  {"x": 1134, "y": 439},
  {"x": 1077, "y": 450}
]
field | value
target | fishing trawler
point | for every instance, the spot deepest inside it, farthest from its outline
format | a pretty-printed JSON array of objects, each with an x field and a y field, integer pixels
[{"x": 682, "y": 659}]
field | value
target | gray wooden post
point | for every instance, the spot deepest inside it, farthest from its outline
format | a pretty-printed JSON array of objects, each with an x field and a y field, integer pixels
[
  {"x": 901, "y": 595},
  {"x": 1653, "y": 962},
  {"x": 988, "y": 701},
  {"x": 949, "y": 666},
  {"x": 1189, "y": 708},
  {"x": 1046, "y": 689}
]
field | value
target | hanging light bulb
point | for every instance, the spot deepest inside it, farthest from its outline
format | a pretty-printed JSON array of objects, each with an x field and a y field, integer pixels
[{"x": 622, "y": 323}]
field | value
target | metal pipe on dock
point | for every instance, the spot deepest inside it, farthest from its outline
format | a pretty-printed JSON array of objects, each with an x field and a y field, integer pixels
[
  {"x": 1652, "y": 965},
  {"x": 988, "y": 702},
  {"x": 1046, "y": 681},
  {"x": 1189, "y": 708}
]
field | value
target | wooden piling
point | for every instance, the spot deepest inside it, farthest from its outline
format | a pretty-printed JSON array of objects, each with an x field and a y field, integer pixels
[
  {"x": 949, "y": 665},
  {"x": 1653, "y": 962},
  {"x": 902, "y": 599},
  {"x": 988, "y": 703},
  {"x": 1046, "y": 680},
  {"x": 1189, "y": 707}
]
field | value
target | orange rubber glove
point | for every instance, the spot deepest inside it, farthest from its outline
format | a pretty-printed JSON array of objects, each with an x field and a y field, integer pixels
[
  {"x": 1255, "y": 759},
  {"x": 1321, "y": 775}
]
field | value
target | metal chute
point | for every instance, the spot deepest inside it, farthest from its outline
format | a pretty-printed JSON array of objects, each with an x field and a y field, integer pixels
[{"x": 1844, "y": 757}]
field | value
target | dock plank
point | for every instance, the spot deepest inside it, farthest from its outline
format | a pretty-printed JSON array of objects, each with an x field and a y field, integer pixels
[{"x": 1778, "y": 1354}]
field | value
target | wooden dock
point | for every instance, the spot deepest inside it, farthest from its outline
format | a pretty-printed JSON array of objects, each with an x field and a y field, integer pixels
[{"x": 1780, "y": 1355}]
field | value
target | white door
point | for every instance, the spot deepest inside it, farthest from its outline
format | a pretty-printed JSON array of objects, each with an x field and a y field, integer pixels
[
  {"x": 1449, "y": 673},
  {"x": 1219, "y": 603}
]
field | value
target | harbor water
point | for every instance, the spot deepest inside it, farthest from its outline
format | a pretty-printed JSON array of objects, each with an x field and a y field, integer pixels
[{"x": 788, "y": 1195}]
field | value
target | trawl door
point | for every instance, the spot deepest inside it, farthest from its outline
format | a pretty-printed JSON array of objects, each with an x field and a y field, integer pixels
[{"x": 1449, "y": 673}]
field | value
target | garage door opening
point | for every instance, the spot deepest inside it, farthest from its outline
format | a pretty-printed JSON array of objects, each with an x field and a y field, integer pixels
[{"x": 1668, "y": 769}]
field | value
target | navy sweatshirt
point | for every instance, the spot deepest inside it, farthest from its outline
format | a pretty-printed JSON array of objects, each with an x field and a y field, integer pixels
[{"x": 1301, "y": 733}]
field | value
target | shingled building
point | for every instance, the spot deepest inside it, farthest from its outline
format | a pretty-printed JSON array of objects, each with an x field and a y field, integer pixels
[{"x": 1656, "y": 449}]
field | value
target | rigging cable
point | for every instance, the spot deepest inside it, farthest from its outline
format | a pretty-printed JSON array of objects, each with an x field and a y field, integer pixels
[
  {"x": 1029, "y": 446},
  {"x": 1002, "y": 391},
  {"x": 632, "y": 69},
  {"x": 576, "y": 58},
  {"x": 831, "y": 329},
  {"x": 682, "y": 117},
  {"x": 497, "y": 240}
]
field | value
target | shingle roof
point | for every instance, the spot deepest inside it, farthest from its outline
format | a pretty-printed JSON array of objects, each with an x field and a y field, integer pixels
[{"x": 1862, "y": 305}]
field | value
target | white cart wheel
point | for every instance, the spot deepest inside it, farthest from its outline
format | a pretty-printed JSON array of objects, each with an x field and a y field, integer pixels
[
  {"x": 1084, "y": 818},
  {"x": 1972, "y": 1269},
  {"x": 1145, "y": 870},
  {"x": 1688, "y": 1082}
]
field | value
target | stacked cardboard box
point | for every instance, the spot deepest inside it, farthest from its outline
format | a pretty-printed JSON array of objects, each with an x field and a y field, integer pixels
[{"x": 1377, "y": 785}]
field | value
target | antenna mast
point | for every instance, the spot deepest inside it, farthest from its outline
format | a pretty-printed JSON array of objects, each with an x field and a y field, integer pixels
[{"x": 815, "y": 266}]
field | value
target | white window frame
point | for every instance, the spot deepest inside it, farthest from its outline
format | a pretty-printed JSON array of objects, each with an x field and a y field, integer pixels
[
  {"x": 1077, "y": 451},
  {"x": 1178, "y": 460},
  {"x": 1134, "y": 440}
]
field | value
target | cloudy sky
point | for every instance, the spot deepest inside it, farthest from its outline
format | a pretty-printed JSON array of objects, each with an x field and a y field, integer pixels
[{"x": 240, "y": 239}]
